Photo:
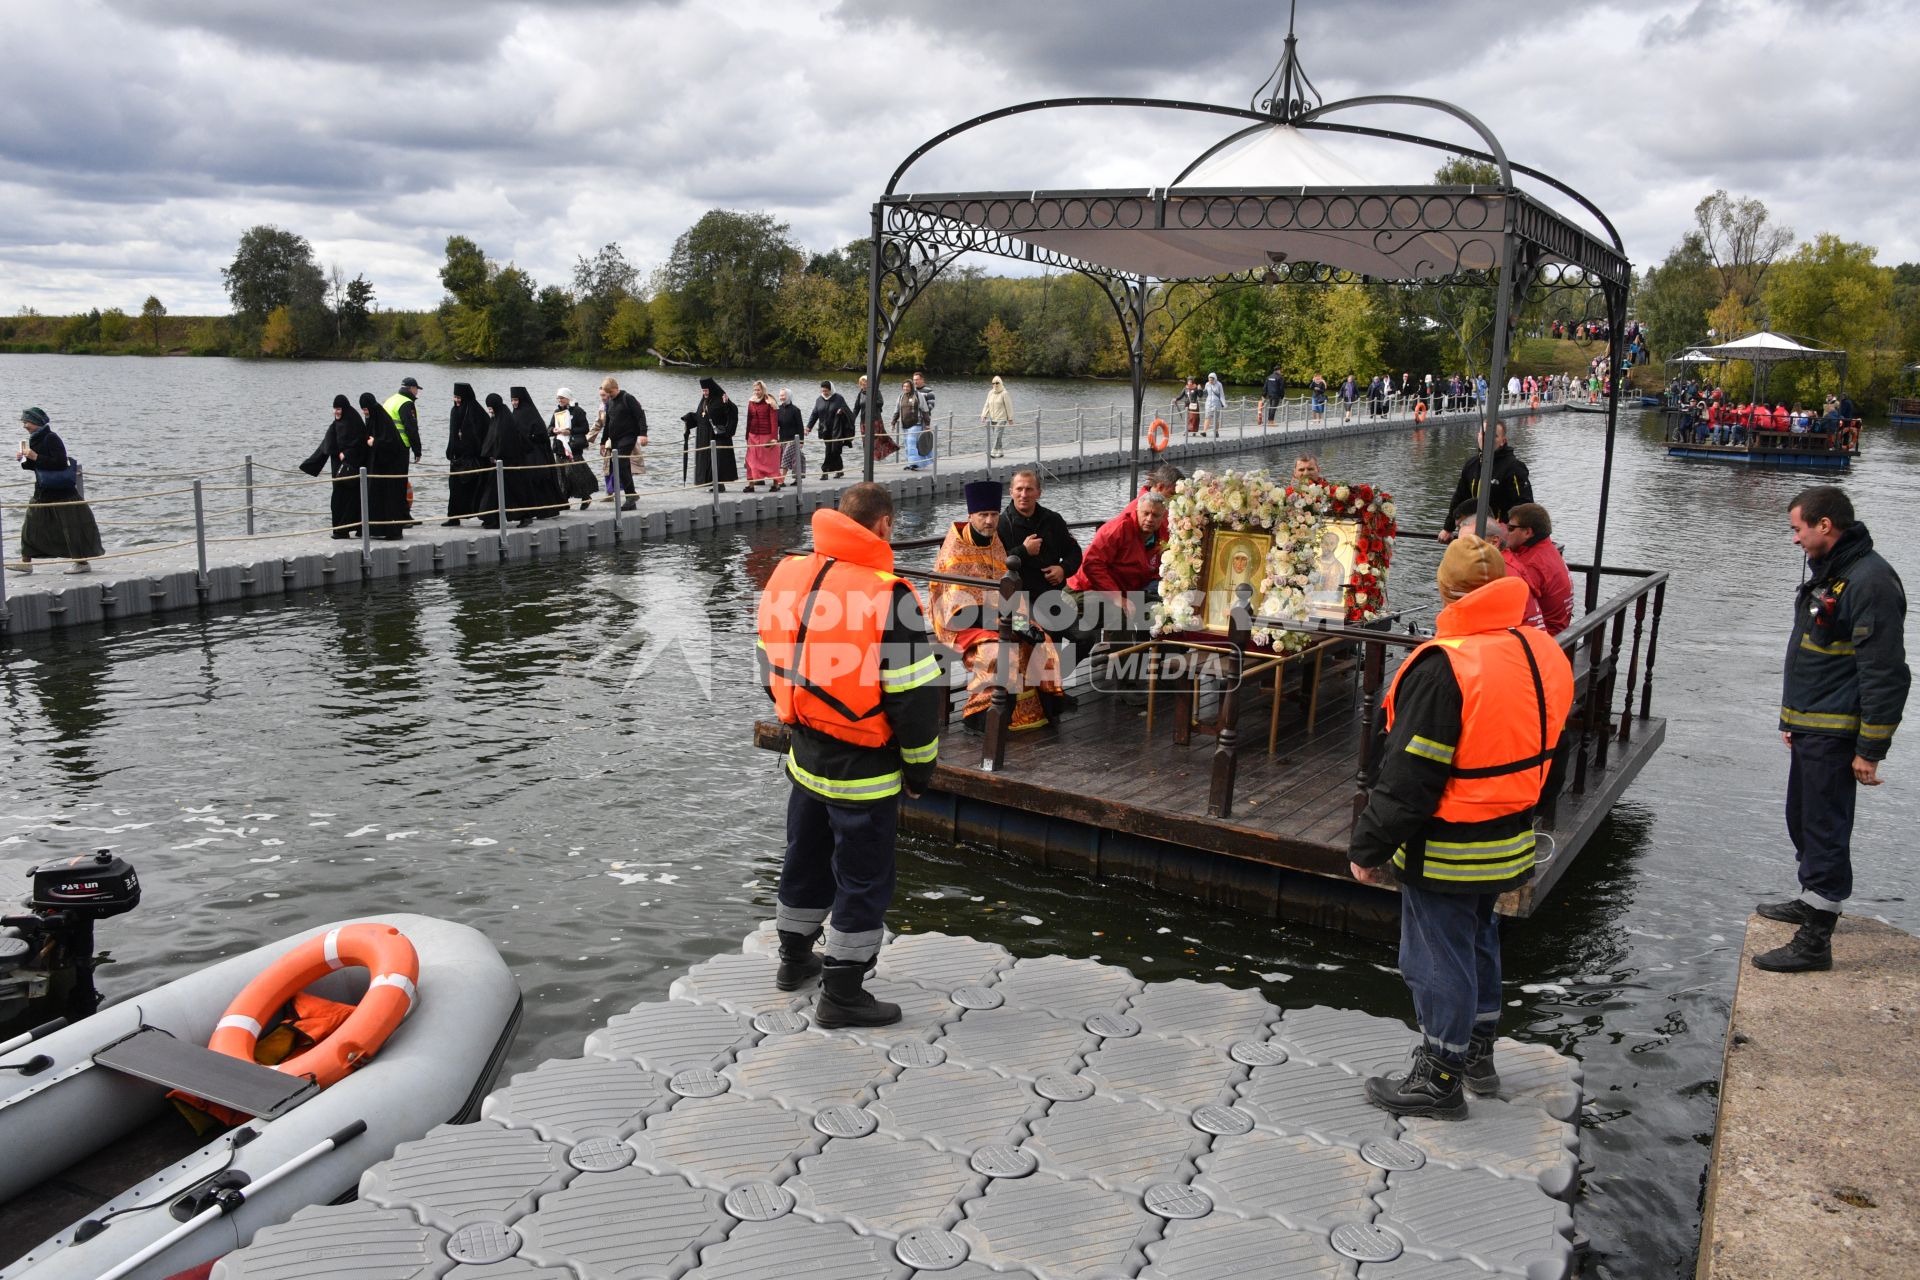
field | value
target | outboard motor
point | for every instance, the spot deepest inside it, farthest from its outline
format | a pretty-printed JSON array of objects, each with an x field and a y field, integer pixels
[{"x": 46, "y": 956}]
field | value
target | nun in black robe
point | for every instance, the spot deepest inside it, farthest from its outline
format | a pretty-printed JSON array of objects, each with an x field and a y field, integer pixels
[
  {"x": 468, "y": 496},
  {"x": 387, "y": 508},
  {"x": 506, "y": 444},
  {"x": 716, "y": 417},
  {"x": 342, "y": 452},
  {"x": 549, "y": 496}
]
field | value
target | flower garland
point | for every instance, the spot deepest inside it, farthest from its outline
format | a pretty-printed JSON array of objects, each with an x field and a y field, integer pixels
[{"x": 1294, "y": 515}]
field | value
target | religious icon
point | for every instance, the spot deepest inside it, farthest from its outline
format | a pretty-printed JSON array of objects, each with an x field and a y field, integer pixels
[
  {"x": 1235, "y": 557},
  {"x": 1332, "y": 569}
]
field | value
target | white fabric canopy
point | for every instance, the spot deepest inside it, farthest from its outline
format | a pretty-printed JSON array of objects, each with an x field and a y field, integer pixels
[
  {"x": 1274, "y": 159},
  {"x": 1766, "y": 347},
  {"x": 1695, "y": 356}
]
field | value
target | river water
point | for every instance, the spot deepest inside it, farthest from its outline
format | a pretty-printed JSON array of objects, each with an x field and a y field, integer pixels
[{"x": 559, "y": 754}]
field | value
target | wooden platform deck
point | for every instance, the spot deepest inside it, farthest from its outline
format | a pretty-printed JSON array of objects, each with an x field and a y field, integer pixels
[{"x": 1100, "y": 795}]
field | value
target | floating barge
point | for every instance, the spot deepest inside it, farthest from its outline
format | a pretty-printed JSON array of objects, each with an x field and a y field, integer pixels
[
  {"x": 1247, "y": 800},
  {"x": 1825, "y": 450},
  {"x": 1041, "y": 1118}
]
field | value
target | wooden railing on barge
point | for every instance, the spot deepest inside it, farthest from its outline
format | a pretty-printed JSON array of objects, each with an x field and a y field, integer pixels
[{"x": 1594, "y": 643}]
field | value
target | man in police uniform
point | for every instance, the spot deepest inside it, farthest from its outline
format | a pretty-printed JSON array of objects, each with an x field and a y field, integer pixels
[
  {"x": 850, "y": 664},
  {"x": 1844, "y": 689},
  {"x": 406, "y": 417},
  {"x": 1473, "y": 718}
]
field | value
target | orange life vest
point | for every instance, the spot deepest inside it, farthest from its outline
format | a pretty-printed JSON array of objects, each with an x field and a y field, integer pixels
[
  {"x": 1516, "y": 687},
  {"x": 822, "y": 619}
]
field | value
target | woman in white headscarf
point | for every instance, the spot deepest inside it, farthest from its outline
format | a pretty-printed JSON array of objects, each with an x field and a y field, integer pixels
[
  {"x": 995, "y": 415},
  {"x": 1216, "y": 406}
]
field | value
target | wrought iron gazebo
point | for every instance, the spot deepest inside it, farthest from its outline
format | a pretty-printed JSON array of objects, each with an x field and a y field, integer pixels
[{"x": 1232, "y": 219}]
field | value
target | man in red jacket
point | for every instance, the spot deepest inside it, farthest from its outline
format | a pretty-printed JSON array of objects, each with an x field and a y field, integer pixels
[{"x": 1530, "y": 555}]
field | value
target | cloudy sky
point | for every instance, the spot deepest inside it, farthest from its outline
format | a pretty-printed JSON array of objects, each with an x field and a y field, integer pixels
[{"x": 138, "y": 138}]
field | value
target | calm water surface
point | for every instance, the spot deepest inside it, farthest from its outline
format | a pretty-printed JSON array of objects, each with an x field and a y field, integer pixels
[{"x": 559, "y": 755}]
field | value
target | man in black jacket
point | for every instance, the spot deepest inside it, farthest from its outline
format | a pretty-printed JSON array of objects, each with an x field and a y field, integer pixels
[
  {"x": 626, "y": 431},
  {"x": 1844, "y": 690},
  {"x": 1048, "y": 551},
  {"x": 1511, "y": 483},
  {"x": 1272, "y": 392},
  {"x": 835, "y": 421}
]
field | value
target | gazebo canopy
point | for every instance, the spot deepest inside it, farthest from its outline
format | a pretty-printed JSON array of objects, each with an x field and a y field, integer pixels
[
  {"x": 1768, "y": 347},
  {"x": 1694, "y": 355}
]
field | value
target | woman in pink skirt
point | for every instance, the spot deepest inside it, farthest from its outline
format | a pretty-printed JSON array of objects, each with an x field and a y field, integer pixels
[{"x": 763, "y": 445}]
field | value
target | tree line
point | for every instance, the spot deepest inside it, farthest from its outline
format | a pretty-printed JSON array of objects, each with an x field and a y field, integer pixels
[
  {"x": 1737, "y": 270},
  {"x": 736, "y": 290}
]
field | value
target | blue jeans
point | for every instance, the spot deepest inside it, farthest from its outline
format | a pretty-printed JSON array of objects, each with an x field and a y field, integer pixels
[
  {"x": 1450, "y": 958},
  {"x": 1820, "y": 795}
]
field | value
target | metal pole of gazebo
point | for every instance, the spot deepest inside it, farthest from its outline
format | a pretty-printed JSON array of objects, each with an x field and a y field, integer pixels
[
  {"x": 1497, "y": 374},
  {"x": 1616, "y": 321},
  {"x": 1137, "y": 365},
  {"x": 873, "y": 346}
]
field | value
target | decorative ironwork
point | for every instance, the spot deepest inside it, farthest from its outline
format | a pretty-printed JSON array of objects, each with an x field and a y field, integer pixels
[{"x": 1290, "y": 84}]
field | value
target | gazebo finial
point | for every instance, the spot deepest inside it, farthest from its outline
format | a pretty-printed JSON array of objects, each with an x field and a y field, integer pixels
[{"x": 1290, "y": 83}]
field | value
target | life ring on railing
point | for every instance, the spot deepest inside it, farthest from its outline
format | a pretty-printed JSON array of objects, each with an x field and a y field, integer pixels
[
  {"x": 1535, "y": 404},
  {"x": 1157, "y": 435},
  {"x": 1420, "y": 411},
  {"x": 380, "y": 949},
  {"x": 1848, "y": 437}
]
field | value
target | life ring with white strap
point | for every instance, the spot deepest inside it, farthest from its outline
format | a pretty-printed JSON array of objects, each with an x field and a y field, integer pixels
[{"x": 381, "y": 949}]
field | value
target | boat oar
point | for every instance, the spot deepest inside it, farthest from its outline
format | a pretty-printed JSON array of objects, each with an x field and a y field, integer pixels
[
  {"x": 228, "y": 1200},
  {"x": 38, "y": 1062}
]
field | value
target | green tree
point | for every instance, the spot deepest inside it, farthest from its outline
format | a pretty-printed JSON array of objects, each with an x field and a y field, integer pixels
[
  {"x": 514, "y": 307},
  {"x": 628, "y": 327},
  {"x": 114, "y": 324},
  {"x": 356, "y": 308},
  {"x": 1741, "y": 240},
  {"x": 1350, "y": 336},
  {"x": 153, "y": 311},
  {"x": 1003, "y": 346},
  {"x": 273, "y": 268},
  {"x": 1832, "y": 291},
  {"x": 556, "y": 311},
  {"x": 725, "y": 271},
  {"x": 466, "y": 272},
  {"x": 1673, "y": 298}
]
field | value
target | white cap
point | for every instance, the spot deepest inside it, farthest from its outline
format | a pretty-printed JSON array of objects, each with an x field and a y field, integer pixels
[{"x": 563, "y": 394}]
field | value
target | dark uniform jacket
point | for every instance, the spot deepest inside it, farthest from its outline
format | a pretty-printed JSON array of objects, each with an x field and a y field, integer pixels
[
  {"x": 1511, "y": 485},
  {"x": 626, "y": 421},
  {"x": 1846, "y": 671},
  {"x": 1057, "y": 546}
]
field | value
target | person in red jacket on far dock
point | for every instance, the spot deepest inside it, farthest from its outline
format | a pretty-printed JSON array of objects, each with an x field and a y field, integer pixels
[{"x": 1530, "y": 555}]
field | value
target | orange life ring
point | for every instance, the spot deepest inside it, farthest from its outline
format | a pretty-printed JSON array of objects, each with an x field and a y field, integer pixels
[
  {"x": 380, "y": 949},
  {"x": 1420, "y": 411},
  {"x": 1535, "y": 404},
  {"x": 1157, "y": 435},
  {"x": 1849, "y": 437}
]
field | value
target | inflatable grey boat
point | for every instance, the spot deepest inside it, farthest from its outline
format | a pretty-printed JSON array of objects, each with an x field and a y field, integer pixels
[{"x": 101, "y": 1169}]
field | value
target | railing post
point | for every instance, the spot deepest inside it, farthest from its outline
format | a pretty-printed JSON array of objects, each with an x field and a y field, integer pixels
[
  {"x": 1372, "y": 676},
  {"x": 249, "y": 495},
  {"x": 79, "y": 482},
  {"x": 200, "y": 534},
  {"x": 366, "y": 527},
  {"x": 1036, "y": 437},
  {"x": 993, "y": 753},
  {"x": 1227, "y": 735},
  {"x": 1653, "y": 645},
  {"x": 3, "y": 576},
  {"x": 1110, "y": 426},
  {"x": 1080, "y": 432},
  {"x": 499, "y": 502},
  {"x": 1633, "y": 670},
  {"x": 713, "y": 478}
]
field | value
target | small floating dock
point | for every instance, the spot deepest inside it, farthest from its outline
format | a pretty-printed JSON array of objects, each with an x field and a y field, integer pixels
[
  {"x": 1812, "y": 1171},
  {"x": 1046, "y": 1118}
]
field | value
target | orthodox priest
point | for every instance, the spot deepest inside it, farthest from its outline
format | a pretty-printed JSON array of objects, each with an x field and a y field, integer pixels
[{"x": 469, "y": 484}]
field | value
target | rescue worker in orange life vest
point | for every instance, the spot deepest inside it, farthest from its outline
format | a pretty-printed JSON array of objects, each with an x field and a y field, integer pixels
[
  {"x": 850, "y": 663},
  {"x": 1473, "y": 718}
]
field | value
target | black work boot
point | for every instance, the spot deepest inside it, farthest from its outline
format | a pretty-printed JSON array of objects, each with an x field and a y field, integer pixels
[
  {"x": 844, "y": 1002},
  {"x": 1479, "y": 1073},
  {"x": 798, "y": 963},
  {"x": 1792, "y": 911},
  {"x": 1431, "y": 1087},
  {"x": 1808, "y": 951}
]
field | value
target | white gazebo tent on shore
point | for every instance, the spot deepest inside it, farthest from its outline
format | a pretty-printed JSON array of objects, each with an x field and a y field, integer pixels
[
  {"x": 1765, "y": 349},
  {"x": 1693, "y": 355}
]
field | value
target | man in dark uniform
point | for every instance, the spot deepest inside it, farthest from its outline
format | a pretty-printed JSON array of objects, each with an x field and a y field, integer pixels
[
  {"x": 1511, "y": 483},
  {"x": 1272, "y": 392},
  {"x": 1049, "y": 553},
  {"x": 852, "y": 669},
  {"x": 1473, "y": 720},
  {"x": 623, "y": 435},
  {"x": 406, "y": 418},
  {"x": 1844, "y": 690}
]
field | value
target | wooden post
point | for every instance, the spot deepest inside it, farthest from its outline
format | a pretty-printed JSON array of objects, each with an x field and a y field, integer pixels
[
  {"x": 1227, "y": 741},
  {"x": 993, "y": 755},
  {"x": 1633, "y": 670},
  {"x": 1653, "y": 646},
  {"x": 1372, "y": 676}
]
